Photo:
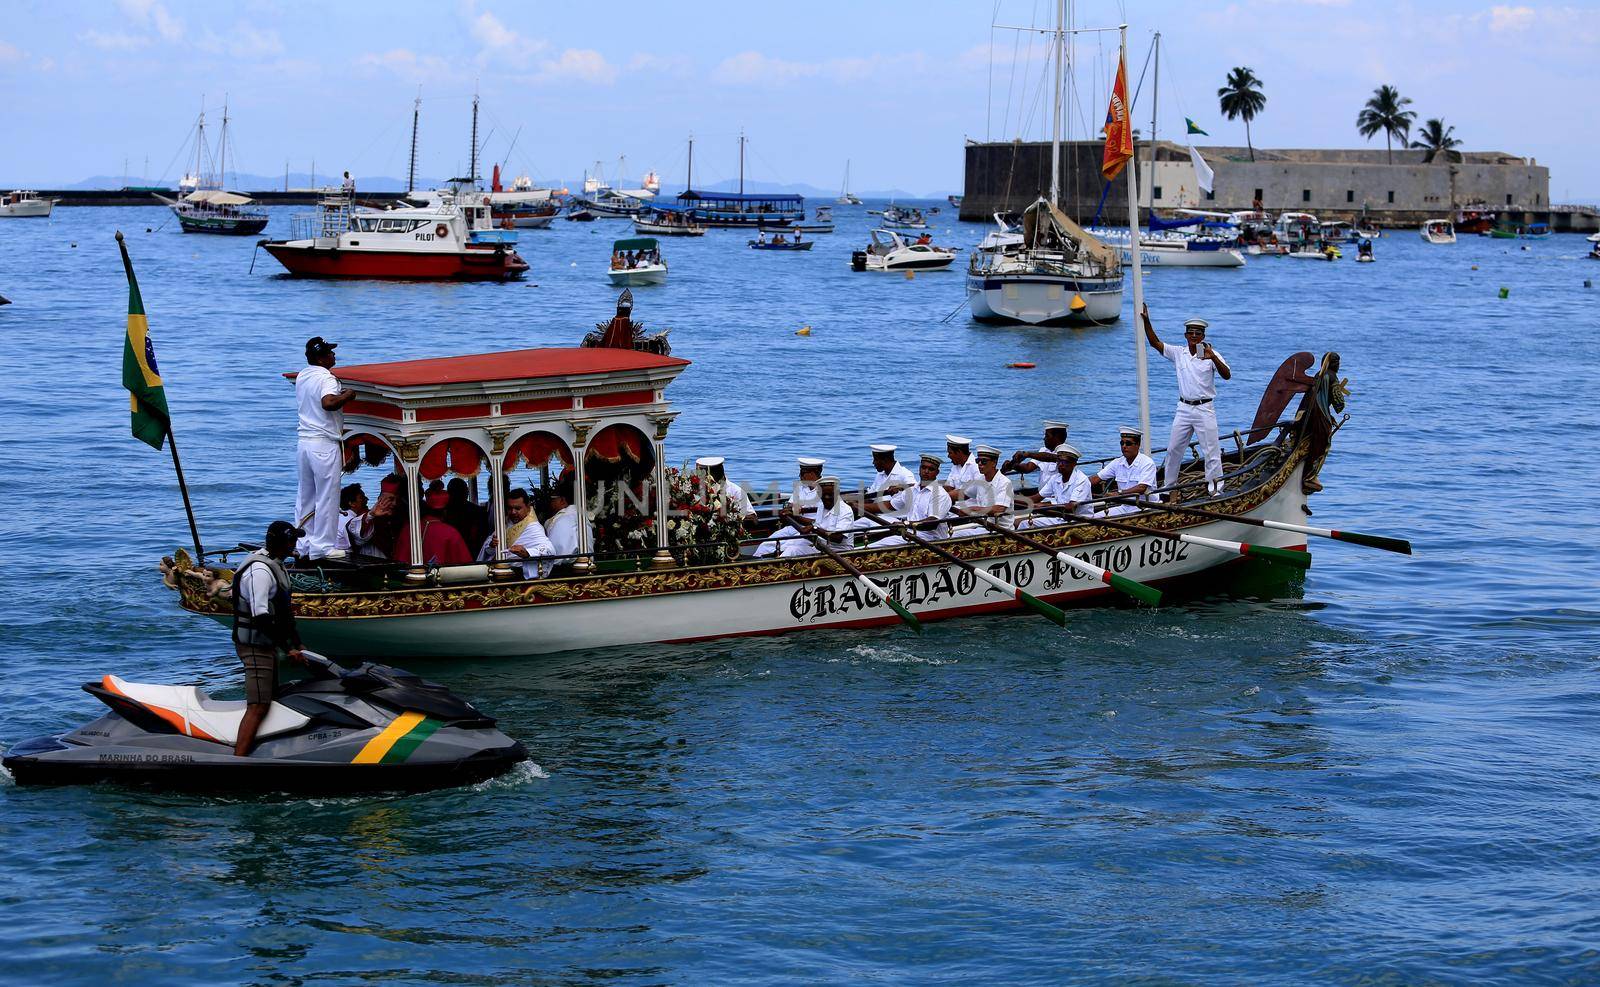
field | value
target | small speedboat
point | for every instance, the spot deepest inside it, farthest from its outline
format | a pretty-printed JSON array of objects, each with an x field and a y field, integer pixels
[
  {"x": 1312, "y": 251},
  {"x": 371, "y": 729},
  {"x": 1368, "y": 231},
  {"x": 637, "y": 261},
  {"x": 1438, "y": 231},
  {"x": 889, "y": 251},
  {"x": 780, "y": 242},
  {"x": 1593, "y": 238},
  {"x": 22, "y": 203},
  {"x": 822, "y": 224},
  {"x": 1535, "y": 231}
]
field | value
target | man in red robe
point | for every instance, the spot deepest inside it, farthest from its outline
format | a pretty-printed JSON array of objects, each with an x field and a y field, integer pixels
[{"x": 441, "y": 543}]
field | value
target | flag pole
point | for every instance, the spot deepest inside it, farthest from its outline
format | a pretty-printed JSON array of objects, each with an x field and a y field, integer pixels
[
  {"x": 172, "y": 442},
  {"x": 1138, "y": 269}
]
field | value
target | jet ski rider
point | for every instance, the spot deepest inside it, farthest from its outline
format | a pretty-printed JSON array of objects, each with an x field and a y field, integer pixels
[{"x": 263, "y": 625}]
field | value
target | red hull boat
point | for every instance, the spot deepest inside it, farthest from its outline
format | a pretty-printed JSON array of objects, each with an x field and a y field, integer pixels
[{"x": 472, "y": 264}]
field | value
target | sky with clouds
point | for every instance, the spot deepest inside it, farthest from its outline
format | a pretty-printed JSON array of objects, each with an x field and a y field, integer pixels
[{"x": 892, "y": 86}]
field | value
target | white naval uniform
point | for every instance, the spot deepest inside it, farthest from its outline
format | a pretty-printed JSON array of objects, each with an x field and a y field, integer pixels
[
  {"x": 803, "y": 502},
  {"x": 1196, "y": 382},
  {"x": 986, "y": 494},
  {"x": 739, "y": 504},
  {"x": 919, "y": 503},
  {"x": 349, "y": 537},
  {"x": 562, "y": 530},
  {"x": 963, "y": 476},
  {"x": 537, "y": 544},
  {"x": 1059, "y": 490},
  {"x": 838, "y": 518},
  {"x": 895, "y": 476},
  {"x": 1129, "y": 475},
  {"x": 320, "y": 454}
]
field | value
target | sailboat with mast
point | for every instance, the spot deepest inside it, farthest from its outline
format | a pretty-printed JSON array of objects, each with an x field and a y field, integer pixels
[
  {"x": 1056, "y": 272},
  {"x": 846, "y": 197},
  {"x": 210, "y": 208},
  {"x": 756, "y": 210}
]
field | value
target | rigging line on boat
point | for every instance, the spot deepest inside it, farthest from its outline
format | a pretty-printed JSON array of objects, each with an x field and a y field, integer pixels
[
  {"x": 964, "y": 303},
  {"x": 182, "y": 149}
]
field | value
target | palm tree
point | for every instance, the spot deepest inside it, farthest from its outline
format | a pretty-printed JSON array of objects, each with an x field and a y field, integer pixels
[
  {"x": 1386, "y": 111},
  {"x": 1242, "y": 97},
  {"x": 1437, "y": 139}
]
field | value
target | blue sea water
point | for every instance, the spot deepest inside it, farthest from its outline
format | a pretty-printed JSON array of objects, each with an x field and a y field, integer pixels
[{"x": 1382, "y": 773}]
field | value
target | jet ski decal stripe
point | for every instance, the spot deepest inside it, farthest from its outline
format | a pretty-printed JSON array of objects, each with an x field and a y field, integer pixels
[
  {"x": 411, "y": 741},
  {"x": 377, "y": 747}
]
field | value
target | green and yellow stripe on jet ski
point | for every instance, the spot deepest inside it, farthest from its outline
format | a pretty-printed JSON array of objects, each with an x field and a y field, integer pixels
[{"x": 404, "y": 735}]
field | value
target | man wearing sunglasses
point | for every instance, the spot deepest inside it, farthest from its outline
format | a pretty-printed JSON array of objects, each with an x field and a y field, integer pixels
[
  {"x": 1134, "y": 473},
  {"x": 1197, "y": 365}
]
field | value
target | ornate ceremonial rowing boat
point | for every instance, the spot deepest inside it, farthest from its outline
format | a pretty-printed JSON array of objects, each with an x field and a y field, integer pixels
[{"x": 532, "y": 405}]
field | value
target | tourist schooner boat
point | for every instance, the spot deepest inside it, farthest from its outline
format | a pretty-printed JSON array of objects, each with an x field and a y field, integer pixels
[
  {"x": 210, "y": 208},
  {"x": 649, "y": 572}
]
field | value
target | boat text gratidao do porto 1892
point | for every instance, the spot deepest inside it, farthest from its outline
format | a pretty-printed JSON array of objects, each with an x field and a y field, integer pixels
[{"x": 370, "y": 729}]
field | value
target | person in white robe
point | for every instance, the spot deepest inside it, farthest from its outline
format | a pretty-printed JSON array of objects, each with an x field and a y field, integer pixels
[
  {"x": 993, "y": 497},
  {"x": 561, "y": 527},
  {"x": 1066, "y": 487},
  {"x": 1133, "y": 473},
  {"x": 833, "y": 522},
  {"x": 526, "y": 540},
  {"x": 925, "y": 506},
  {"x": 803, "y": 502}
]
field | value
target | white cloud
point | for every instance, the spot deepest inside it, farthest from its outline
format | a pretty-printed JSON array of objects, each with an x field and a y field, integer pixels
[
  {"x": 675, "y": 65},
  {"x": 751, "y": 68},
  {"x": 114, "y": 40},
  {"x": 1503, "y": 18},
  {"x": 242, "y": 41},
  {"x": 148, "y": 13},
  {"x": 11, "y": 53},
  {"x": 408, "y": 64},
  {"x": 579, "y": 64}
]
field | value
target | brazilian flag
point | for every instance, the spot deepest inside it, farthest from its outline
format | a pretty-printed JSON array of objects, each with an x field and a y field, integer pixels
[
  {"x": 1193, "y": 128},
  {"x": 147, "y": 399}
]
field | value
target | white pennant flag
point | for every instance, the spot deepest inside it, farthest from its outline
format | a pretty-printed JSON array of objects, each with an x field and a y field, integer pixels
[{"x": 1202, "y": 171}]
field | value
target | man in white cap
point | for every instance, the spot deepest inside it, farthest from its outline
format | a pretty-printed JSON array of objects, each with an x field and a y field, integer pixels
[
  {"x": 1133, "y": 472},
  {"x": 891, "y": 478},
  {"x": 963, "y": 471},
  {"x": 320, "y": 450},
  {"x": 1197, "y": 365},
  {"x": 1066, "y": 487},
  {"x": 739, "y": 506},
  {"x": 924, "y": 506},
  {"x": 993, "y": 496},
  {"x": 803, "y": 503},
  {"x": 834, "y": 521},
  {"x": 1023, "y": 461}
]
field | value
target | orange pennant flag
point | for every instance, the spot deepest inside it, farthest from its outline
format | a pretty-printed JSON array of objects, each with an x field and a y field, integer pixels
[{"x": 1119, "y": 128}]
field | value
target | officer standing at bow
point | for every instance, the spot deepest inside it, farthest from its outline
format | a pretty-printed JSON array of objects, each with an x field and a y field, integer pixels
[{"x": 1196, "y": 364}]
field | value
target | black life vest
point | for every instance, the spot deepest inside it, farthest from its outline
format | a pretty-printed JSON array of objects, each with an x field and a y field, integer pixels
[{"x": 273, "y": 629}]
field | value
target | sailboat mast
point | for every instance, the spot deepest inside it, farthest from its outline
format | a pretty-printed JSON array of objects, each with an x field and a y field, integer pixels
[
  {"x": 472, "y": 167},
  {"x": 1138, "y": 267},
  {"x": 688, "y": 182},
  {"x": 1055, "y": 113},
  {"x": 222, "y": 146},
  {"x": 741, "y": 160},
  {"x": 416, "y": 115},
  {"x": 200, "y": 143},
  {"x": 1155, "y": 104}
]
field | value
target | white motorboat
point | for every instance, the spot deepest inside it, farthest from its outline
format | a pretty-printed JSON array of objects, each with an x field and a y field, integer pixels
[
  {"x": 889, "y": 251},
  {"x": 1295, "y": 229},
  {"x": 665, "y": 221},
  {"x": 1169, "y": 247},
  {"x": 22, "y": 203},
  {"x": 822, "y": 224},
  {"x": 637, "y": 261},
  {"x": 1438, "y": 231},
  {"x": 1593, "y": 238},
  {"x": 896, "y": 218},
  {"x": 1338, "y": 231}
]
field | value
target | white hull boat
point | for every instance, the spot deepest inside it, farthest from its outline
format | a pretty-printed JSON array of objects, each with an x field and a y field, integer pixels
[
  {"x": 889, "y": 251},
  {"x": 646, "y": 274},
  {"x": 23, "y": 205},
  {"x": 1438, "y": 231},
  {"x": 1044, "y": 299},
  {"x": 1178, "y": 252}
]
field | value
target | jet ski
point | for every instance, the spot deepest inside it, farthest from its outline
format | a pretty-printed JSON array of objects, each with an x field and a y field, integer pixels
[{"x": 371, "y": 729}]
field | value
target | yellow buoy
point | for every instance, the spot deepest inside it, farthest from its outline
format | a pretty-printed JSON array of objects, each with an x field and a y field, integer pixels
[
  {"x": 911, "y": 275},
  {"x": 803, "y": 331},
  {"x": 1078, "y": 304}
]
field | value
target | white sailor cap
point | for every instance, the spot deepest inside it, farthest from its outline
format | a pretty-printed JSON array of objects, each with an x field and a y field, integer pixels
[
  {"x": 959, "y": 441},
  {"x": 1066, "y": 450},
  {"x": 811, "y": 462},
  {"x": 1196, "y": 323},
  {"x": 1128, "y": 430},
  {"x": 882, "y": 447},
  {"x": 990, "y": 451},
  {"x": 828, "y": 481},
  {"x": 706, "y": 462},
  {"x": 931, "y": 457},
  {"x": 1048, "y": 424}
]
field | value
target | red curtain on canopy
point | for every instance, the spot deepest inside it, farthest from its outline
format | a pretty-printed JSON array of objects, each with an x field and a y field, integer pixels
[
  {"x": 375, "y": 453},
  {"x": 535, "y": 450},
  {"x": 458, "y": 456},
  {"x": 616, "y": 443}
]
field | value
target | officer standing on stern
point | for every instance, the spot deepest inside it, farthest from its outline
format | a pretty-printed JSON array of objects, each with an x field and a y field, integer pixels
[
  {"x": 1196, "y": 365},
  {"x": 320, "y": 451}
]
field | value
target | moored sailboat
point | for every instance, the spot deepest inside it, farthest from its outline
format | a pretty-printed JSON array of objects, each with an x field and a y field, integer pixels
[{"x": 210, "y": 208}]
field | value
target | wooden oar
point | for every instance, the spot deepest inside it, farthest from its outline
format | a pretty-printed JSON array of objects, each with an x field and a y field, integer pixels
[
  {"x": 1132, "y": 587},
  {"x": 1288, "y": 556},
  {"x": 821, "y": 542},
  {"x": 1353, "y": 537},
  {"x": 1026, "y": 599}
]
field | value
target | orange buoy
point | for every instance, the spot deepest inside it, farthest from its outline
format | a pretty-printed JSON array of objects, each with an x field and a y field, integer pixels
[{"x": 1021, "y": 365}]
